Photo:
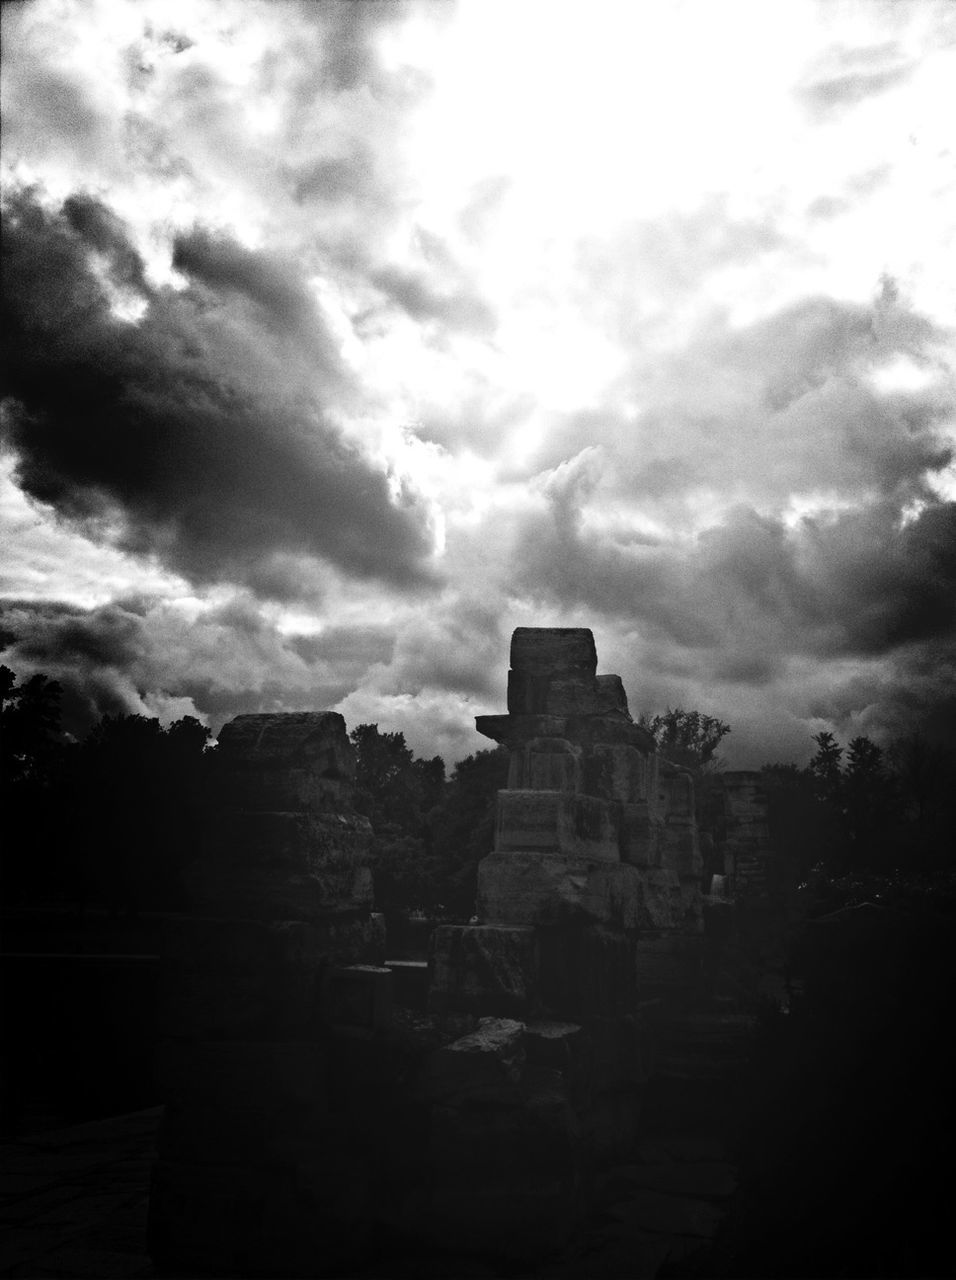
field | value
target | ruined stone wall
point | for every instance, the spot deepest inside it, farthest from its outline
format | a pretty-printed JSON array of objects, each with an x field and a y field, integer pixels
[
  {"x": 281, "y": 945},
  {"x": 301, "y": 1118},
  {"x": 595, "y": 852}
]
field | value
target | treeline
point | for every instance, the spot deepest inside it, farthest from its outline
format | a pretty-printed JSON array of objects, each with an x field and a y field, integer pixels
[
  {"x": 866, "y": 809},
  {"x": 114, "y": 820}
]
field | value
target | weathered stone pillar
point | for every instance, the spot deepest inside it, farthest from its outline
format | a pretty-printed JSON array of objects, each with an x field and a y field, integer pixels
[
  {"x": 258, "y": 1171},
  {"x": 595, "y": 843}
]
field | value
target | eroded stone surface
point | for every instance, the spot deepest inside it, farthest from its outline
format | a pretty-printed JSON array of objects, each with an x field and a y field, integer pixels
[
  {"x": 298, "y": 760},
  {"x": 483, "y": 969},
  {"x": 541, "y": 888},
  {"x": 557, "y": 822}
]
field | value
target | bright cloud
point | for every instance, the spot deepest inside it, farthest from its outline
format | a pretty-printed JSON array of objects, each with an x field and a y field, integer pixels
[{"x": 347, "y": 337}]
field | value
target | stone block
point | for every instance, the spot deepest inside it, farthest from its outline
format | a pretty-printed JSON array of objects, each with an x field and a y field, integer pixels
[
  {"x": 549, "y": 889},
  {"x": 640, "y": 836},
  {"x": 680, "y": 849},
  {"x": 514, "y": 730},
  {"x": 616, "y": 772},
  {"x": 358, "y": 996},
  {"x": 251, "y": 980},
  {"x": 557, "y": 822},
  {"x": 300, "y": 760},
  {"x": 553, "y": 650},
  {"x": 588, "y": 971},
  {"x": 545, "y": 764},
  {"x": 283, "y": 866},
  {"x": 661, "y": 906},
  {"x": 483, "y": 969},
  {"x": 678, "y": 789},
  {"x": 485, "y": 1065},
  {"x": 576, "y": 696}
]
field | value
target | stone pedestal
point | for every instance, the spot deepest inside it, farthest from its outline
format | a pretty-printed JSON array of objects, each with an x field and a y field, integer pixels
[{"x": 595, "y": 845}]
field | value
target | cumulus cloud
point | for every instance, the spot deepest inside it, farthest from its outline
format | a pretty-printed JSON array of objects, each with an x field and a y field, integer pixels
[
  {"x": 328, "y": 366},
  {"x": 209, "y": 425},
  {"x": 147, "y": 656}
]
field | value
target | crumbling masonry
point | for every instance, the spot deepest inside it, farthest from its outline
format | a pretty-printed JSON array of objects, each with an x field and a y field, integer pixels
[{"x": 302, "y": 1116}]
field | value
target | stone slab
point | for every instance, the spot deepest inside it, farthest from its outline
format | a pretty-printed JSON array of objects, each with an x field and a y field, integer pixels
[
  {"x": 487, "y": 1063},
  {"x": 553, "y": 650},
  {"x": 545, "y": 764},
  {"x": 279, "y": 761},
  {"x": 557, "y": 822},
  {"x": 641, "y": 836},
  {"x": 484, "y": 970},
  {"x": 549, "y": 889}
]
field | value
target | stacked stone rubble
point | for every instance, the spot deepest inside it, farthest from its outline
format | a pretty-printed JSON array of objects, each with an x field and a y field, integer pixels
[
  {"x": 746, "y": 843},
  {"x": 280, "y": 949},
  {"x": 595, "y": 849}
]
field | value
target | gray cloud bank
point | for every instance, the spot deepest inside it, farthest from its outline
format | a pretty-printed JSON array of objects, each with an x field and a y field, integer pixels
[{"x": 206, "y": 430}]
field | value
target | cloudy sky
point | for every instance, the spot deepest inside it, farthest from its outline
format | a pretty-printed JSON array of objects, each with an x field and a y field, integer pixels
[{"x": 342, "y": 338}]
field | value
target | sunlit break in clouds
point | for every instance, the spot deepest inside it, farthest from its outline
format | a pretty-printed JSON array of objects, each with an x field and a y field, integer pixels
[{"x": 343, "y": 338}]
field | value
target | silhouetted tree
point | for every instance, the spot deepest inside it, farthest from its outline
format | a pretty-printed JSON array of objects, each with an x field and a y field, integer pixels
[
  {"x": 397, "y": 792},
  {"x": 32, "y": 763},
  {"x": 464, "y": 825},
  {"x": 688, "y": 738}
]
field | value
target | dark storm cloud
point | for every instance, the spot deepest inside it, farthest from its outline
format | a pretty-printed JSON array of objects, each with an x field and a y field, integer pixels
[
  {"x": 142, "y": 656},
  {"x": 863, "y": 582},
  {"x": 226, "y": 267},
  {"x": 206, "y": 425}
]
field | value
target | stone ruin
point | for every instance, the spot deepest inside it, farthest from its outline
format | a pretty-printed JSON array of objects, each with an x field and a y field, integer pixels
[{"x": 306, "y": 1117}]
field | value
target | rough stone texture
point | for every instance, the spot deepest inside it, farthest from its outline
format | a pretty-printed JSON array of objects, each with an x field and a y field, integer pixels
[
  {"x": 504, "y": 1146},
  {"x": 545, "y": 764},
  {"x": 618, "y": 772},
  {"x": 483, "y": 969},
  {"x": 641, "y": 837},
  {"x": 553, "y": 651},
  {"x": 661, "y": 906},
  {"x": 548, "y": 889},
  {"x": 680, "y": 849},
  {"x": 557, "y": 822},
  {"x": 484, "y": 1065},
  {"x": 301, "y": 760},
  {"x": 284, "y": 866}
]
